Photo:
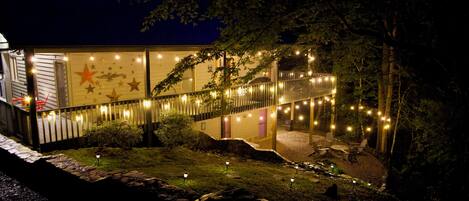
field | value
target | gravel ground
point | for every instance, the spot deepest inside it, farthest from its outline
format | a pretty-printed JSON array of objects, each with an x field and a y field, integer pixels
[{"x": 13, "y": 190}]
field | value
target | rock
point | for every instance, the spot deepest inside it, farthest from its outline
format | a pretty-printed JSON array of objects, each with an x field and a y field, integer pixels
[
  {"x": 233, "y": 176},
  {"x": 331, "y": 191},
  {"x": 314, "y": 180},
  {"x": 230, "y": 194}
]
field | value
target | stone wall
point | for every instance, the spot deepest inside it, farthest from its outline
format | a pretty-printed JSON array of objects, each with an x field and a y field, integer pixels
[
  {"x": 58, "y": 177},
  {"x": 239, "y": 147}
]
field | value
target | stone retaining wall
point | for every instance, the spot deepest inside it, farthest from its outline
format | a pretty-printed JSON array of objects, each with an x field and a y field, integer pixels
[
  {"x": 239, "y": 147},
  {"x": 61, "y": 178}
]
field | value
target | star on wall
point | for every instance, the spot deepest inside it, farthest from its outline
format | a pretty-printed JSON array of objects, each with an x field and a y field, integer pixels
[
  {"x": 113, "y": 96},
  {"x": 120, "y": 83},
  {"x": 86, "y": 75},
  {"x": 89, "y": 89},
  {"x": 133, "y": 85}
]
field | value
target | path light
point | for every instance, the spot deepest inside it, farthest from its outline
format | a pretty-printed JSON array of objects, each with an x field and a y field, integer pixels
[
  {"x": 379, "y": 113},
  {"x": 368, "y": 112},
  {"x": 297, "y": 52},
  {"x": 315, "y": 123},
  {"x": 98, "y": 156},
  {"x": 185, "y": 175},
  {"x": 292, "y": 180},
  {"x": 332, "y": 166},
  {"x": 368, "y": 129},
  {"x": 388, "y": 120},
  {"x": 296, "y": 168},
  {"x": 354, "y": 182},
  {"x": 332, "y": 127},
  {"x": 352, "y": 108},
  {"x": 360, "y": 107},
  {"x": 227, "y": 165},
  {"x": 259, "y": 53}
]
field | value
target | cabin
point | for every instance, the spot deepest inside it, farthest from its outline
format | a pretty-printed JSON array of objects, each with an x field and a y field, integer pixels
[{"x": 53, "y": 89}]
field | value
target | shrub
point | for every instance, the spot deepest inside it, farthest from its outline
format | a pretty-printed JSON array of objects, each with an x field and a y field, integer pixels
[
  {"x": 175, "y": 130},
  {"x": 114, "y": 134}
]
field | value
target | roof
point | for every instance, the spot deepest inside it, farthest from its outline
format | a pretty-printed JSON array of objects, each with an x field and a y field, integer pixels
[{"x": 71, "y": 23}]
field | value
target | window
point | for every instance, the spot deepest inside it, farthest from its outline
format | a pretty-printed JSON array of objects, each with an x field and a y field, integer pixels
[{"x": 13, "y": 69}]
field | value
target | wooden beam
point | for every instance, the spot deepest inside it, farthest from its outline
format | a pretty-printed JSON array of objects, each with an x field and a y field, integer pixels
[
  {"x": 148, "y": 121},
  {"x": 32, "y": 92}
]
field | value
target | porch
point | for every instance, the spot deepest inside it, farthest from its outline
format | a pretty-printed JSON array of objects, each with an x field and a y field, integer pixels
[{"x": 66, "y": 125}]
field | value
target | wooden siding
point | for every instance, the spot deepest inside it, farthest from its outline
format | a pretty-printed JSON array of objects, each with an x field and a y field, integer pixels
[{"x": 46, "y": 78}]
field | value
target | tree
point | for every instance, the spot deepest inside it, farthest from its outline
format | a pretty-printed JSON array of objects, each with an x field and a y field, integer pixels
[{"x": 380, "y": 51}]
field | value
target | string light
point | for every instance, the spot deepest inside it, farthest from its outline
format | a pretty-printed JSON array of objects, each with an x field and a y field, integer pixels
[
  {"x": 279, "y": 107},
  {"x": 159, "y": 56},
  {"x": 259, "y": 53},
  {"x": 33, "y": 71},
  {"x": 238, "y": 119},
  {"x": 315, "y": 123},
  {"x": 326, "y": 79},
  {"x": 379, "y": 113},
  {"x": 117, "y": 57},
  {"x": 281, "y": 99},
  {"x": 33, "y": 59},
  {"x": 297, "y": 107},
  {"x": 332, "y": 127},
  {"x": 332, "y": 78},
  {"x": 65, "y": 58},
  {"x": 92, "y": 58},
  {"x": 301, "y": 118},
  {"x": 320, "y": 102},
  {"x": 387, "y": 126},
  {"x": 383, "y": 118},
  {"x": 225, "y": 119},
  {"x": 261, "y": 118},
  {"x": 311, "y": 58},
  {"x": 368, "y": 129},
  {"x": 249, "y": 115},
  {"x": 305, "y": 102},
  {"x": 319, "y": 80},
  {"x": 297, "y": 52},
  {"x": 272, "y": 114},
  {"x": 280, "y": 85},
  {"x": 139, "y": 60},
  {"x": 349, "y": 128},
  {"x": 352, "y": 107},
  {"x": 177, "y": 59},
  {"x": 310, "y": 73},
  {"x": 126, "y": 114},
  {"x": 368, "y": 112},
  {"x": 184, "y": 98},
  {"x": 360, "y": 107},
  {"x": 312, "y": 80},
  {"x": 146, "y": 104}
]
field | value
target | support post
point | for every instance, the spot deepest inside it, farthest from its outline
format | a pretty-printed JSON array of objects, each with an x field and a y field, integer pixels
[
  {"x": 148, "y": 136},
  {"x": 311, "y": 120},
  {"x": 32, "y": 92},
  {"x": 274, "y": 77},
  {"x": 222, "y": 97},
  {"x": 292, "y": 114}
]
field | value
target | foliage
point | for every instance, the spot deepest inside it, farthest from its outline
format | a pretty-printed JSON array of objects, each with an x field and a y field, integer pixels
[
  {"x": 175, "y": 129},
  {"x": 114, "y": 134}
]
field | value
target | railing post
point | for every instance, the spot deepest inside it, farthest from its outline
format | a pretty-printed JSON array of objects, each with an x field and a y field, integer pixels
[
  {"x": 148, "y": 127},
  {"x": 311, "y": 120},
  {"x": 274, "y": 74},
  {"x": 31, "y": 90}
]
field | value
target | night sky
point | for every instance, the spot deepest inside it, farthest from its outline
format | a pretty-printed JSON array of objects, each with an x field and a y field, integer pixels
[{"x": 93, "y": 22}]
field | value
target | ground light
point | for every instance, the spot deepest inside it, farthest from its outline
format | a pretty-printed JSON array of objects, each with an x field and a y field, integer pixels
[
  {"x": 185, "y": 175},
  {"x": 292, "y": 180},
  {"x": 227, "y": 165},
  {"x": 296, "y": 168},
  {"x": 98, "y": 156}
]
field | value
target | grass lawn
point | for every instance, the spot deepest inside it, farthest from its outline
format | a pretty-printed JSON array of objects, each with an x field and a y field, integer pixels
[{"x": 207, "y": 173}]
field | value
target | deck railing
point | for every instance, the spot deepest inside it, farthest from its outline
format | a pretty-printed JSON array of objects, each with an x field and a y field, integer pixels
[
  {"x": 15, "y": 121},
  {"x": 70, "y": 122}
]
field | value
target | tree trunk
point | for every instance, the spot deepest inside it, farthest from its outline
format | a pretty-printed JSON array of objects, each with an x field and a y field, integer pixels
[{"x": 382, "y": 81}]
